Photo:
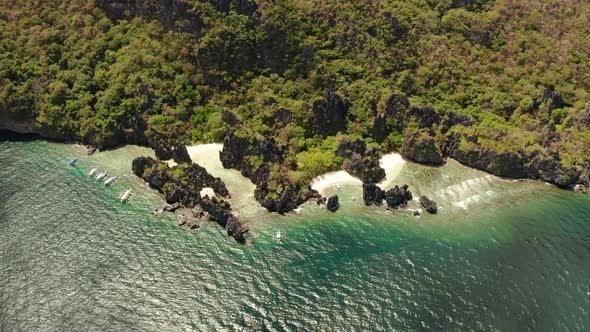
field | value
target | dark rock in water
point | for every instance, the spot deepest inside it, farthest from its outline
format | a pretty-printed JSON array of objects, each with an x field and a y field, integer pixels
[
  {"x": 372, "y": 194},
  {"x": 419, "y": 146},
  {"x": 284, "y": 196},
  {"x": 415, "y": 213},
  {"x": 220, "y": 211},
  {"x": 321, "y": 200},
  {"x": 398, "y": 197},
  {"x": 171, "y": 207},
  {"x": 361, "y": 161},
  {"x": 90, "y": 150},
  {"x": 333, "y": 205},
  {"x": 428, "y": 204},
  {"x": 181, "y": 186}
]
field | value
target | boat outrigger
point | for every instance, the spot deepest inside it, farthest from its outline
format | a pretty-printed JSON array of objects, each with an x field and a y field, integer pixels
[
  {"x": 126, "y": 195},
  {"x": 73, "y": 162},
  {"x": 279, "y": 237},
  {"x": 93, "y": 171},
  {"x": 110, "y": 180},
  {"x": 102, "y": 175}
]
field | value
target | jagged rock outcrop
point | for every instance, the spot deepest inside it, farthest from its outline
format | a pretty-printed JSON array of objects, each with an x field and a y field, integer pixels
[
  {"x": 453, "y": 119},
  {"x": 361, "y": 161},
  {"x": 182, "y": 185},
  {"x": 419, "y": 146},
  {"x": 428, "y": 204},
  {"x": 333, "y": 204},
  {"x": 398, "y": 197},
  {"x": 330, "y": 113},
  {"x": 282, "y": 195},
  {"x": 255, "y": 157},
  {"x": 230, "y": 118},
  {"x": 244, "y": 151},
  {"x": 280, "y": 118},
  {"x": 166, "y": 151},
  {"x": 220, "y": 211},
  {"x": 372, "y": 194}
]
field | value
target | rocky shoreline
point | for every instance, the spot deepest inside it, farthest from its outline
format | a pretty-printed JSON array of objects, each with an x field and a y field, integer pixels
[{"x": 182, "y": 185}]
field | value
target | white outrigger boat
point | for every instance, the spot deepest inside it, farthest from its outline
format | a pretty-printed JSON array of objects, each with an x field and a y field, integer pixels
[
  {"x": 73, "y": 162},
  {"x": 279, "y": 237},
  {"x": 92, "y": 171},
  {"x": 110, "y": 180},
  {"x": 102, "y": 175},
  {"x": 126, "y": 195}
]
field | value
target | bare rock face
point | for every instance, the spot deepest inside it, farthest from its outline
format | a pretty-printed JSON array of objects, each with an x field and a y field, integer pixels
[
  {"x": 361, "y": 161},
  {"x": 330, "y": 113},
  {"x": 419, "y": 146},
  {"x": 428, "y": 204},
  {"x": 254, "y": 156}
]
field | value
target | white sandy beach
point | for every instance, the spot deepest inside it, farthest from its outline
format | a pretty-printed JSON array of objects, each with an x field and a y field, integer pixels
[
  {"x": 392, "y": 163},
  {"x": 333, "y": 179}
]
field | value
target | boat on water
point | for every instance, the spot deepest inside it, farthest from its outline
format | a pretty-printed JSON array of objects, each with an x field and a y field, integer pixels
[
  {"x": 126, "y": 195},
  {"x": 73, "y": 162},
  {"x": 92, "y": 171},
  {"x": 102, "y": 175},
  {"x": 110, "y": 180},
  {"x": 279, "y": 236}
]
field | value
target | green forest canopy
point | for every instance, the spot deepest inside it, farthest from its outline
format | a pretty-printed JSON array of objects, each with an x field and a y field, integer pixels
[{"x": 516, "y": 68}]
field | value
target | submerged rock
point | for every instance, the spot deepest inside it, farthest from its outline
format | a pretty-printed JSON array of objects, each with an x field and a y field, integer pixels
[
  {"x": 428, "y": 204},
  {"x": 333, "y": 204},
  {"x": 372, "y": 194},
  {"x": 398, "y": 197}
]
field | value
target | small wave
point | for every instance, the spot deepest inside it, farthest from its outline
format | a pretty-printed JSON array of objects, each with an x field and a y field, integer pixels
[{"x": 464, "y": 204}]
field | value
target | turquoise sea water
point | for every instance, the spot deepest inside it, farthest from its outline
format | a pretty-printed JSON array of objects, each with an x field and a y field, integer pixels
[{"x": 500, "y": 256}]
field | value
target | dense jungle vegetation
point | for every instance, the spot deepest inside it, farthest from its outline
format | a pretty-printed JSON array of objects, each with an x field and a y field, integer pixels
[{"x": 306, "y": 73}]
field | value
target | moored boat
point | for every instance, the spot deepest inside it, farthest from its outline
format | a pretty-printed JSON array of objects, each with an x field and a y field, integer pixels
[
  {"x": 102, "y": 175},
  {"x": 126, "y": 195},
  {"x": 93, "y": 171},
  {"x": 73, "y": 162},
  {"x": 110, "y": 180}
]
